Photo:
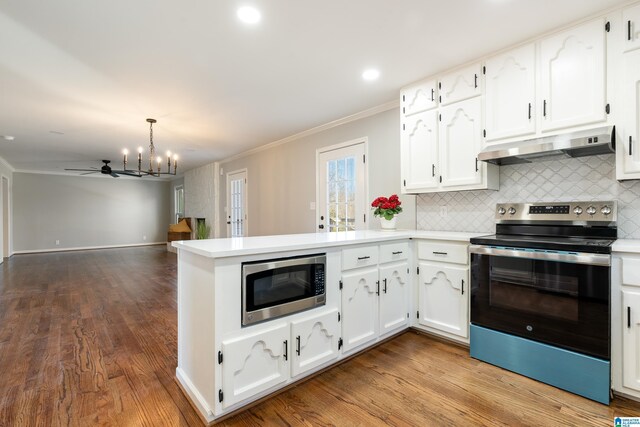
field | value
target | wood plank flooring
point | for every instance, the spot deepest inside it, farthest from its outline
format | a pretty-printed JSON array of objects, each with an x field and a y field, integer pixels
[{"x": 89, "y": 338}]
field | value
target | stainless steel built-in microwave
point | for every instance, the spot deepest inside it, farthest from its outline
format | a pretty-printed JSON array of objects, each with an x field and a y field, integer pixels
[{"x": 277, "y": 287}]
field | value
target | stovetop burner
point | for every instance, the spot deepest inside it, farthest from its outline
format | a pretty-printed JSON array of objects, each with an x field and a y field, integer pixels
[{"x": 567, "y": 226}]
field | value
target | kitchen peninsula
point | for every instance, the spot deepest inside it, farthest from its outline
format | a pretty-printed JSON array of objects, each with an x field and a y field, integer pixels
[{"x": 226, "y": 362}]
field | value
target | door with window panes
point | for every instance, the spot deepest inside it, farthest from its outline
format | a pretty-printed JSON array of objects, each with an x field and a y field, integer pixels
[{"x": 341, "y": 188}]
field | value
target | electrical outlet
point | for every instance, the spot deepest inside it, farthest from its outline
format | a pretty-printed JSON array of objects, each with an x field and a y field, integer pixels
[
  {"x": 312, "y": 206},
  {"x": 443, "y": 211},
  {"x": 57, "y": 242},
  {"x": 144, "y": 237}
]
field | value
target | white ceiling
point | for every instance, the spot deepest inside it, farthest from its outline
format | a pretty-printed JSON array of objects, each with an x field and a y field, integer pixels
[{"x": 79, "y": 78}]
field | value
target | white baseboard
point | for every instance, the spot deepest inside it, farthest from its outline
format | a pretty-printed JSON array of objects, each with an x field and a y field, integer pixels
[
  {"x": 86, "y": 248},
  {"x": 194, "y": 395}
]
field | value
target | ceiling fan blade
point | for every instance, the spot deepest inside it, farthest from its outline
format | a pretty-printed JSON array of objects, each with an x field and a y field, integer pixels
[
  {"x": 89, "y": 173},
  {"x": 84, "y": 170},
  {"x": 129, "y": 173},
  {"x": 115, "y": 175}
]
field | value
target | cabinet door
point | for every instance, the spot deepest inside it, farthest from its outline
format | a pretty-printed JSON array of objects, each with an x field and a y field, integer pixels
[
  {"x": 444, "y": 298},
  {"x": 631, "y": 21},
  {"x": 419, "y": 147},
  {"x": 394, "y": 297},
  {"x": 631, "y": 340},
  {"x": 359, "y": 307},
  {"x": 460, "y": 142},
  {"x": 510, "y": 91},
  {"x": 573, "y": 77},
  {"x": 254, "y": 363},
  {"x": 629, "y": 148},
  {"x": 418, "y": 97},
  {"x": 460, "y": 84},
  {"x": 314, "y": 341}
]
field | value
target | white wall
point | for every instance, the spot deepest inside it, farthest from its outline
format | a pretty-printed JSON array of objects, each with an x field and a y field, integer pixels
[
  {"x": 282, "y": 179},
  {"x": 83, "y": 212}
]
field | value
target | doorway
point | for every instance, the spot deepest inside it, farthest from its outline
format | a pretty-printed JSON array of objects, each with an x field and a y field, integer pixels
[
  {"x": 237, "y": 221},
  {"x": 341, "y": 187}
]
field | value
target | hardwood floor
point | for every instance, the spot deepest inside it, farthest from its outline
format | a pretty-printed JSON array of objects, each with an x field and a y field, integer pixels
[{"x": 89, "y": 338}]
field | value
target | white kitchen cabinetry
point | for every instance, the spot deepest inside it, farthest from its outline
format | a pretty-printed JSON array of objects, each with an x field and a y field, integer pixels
[
  {"x": 442, "y": 156},
  {"x": 395, "y": 287},
  {"x": 573, "y": 80},
  {"x": 375, "y": 296},
  {"x": 259, "y": 362},
  {"x": 625, "y": 322},
  {"x": 510, "y": 93},
  {"x": 460, "y": 142},
  {"x": 628, "y": 150},
  {"x": 418, "y": 97},
  {"x": 360, "y": 290},
  {"x": 631, "y": 22},
  {"x": 419, "y": 147},
  {"x": 314, "y": 341},
  {"x": 443, "y": 289},
  {"x": 631, "y": 339},
  {"x": 460, "y": 84}
]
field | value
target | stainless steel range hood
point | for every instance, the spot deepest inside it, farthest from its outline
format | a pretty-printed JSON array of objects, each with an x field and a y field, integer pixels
[{"x": 576, "y": 144}]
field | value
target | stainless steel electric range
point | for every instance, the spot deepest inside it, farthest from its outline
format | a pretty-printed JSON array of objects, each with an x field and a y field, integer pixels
[{"x": 540, "y": 293}]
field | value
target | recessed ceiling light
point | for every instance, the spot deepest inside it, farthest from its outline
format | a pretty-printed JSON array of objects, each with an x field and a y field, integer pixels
[
  {"x": 8, "y": 137},
  {"x": 249, "y": 15},
  {"x": 371, "y": 74}
]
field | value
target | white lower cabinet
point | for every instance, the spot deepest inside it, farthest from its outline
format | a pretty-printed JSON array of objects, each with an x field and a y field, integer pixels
[
  {"x": 314, "y": 341},
  {"x": 625, "y": 323},
  {"x": 631, "y": 340},
  {"x": 443, "y": 288},
  {"x": 394, "y": 293},
  {"x": 375, "y": 298},
  {"x": 443, "y": 303},
  {"x": 360, "y": 290},
  {"x": 255, "y": 362}
]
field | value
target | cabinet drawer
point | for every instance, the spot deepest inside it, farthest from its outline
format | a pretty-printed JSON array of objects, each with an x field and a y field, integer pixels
[
  {"x": 359, "y": 257},
  {"x": 394, "y": 252},
  {"x": 444, "y": 252},
  {"x": 631, "y": 271}
]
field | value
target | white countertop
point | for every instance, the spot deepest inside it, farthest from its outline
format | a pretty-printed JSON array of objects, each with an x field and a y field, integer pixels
[
  {"x": 626, "y": 245},
  {"x": 229, "y": 247}
]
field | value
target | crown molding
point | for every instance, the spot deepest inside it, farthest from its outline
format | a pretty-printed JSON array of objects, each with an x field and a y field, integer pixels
[{"x": 344, "y": 120}]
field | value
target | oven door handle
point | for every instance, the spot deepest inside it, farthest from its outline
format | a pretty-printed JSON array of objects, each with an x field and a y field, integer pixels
[{"x": 574, "y": 258}]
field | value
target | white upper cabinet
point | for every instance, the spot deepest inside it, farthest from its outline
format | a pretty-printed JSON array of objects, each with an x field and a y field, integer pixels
[
  {"x": 460, "y": 142},
  {"x": 419, "y": 147},
  {"x": 510, "y": 83},
  {"x": 418, "y": 97},
  {"x": 631, "y": 21},
  {"x": 572, "y": 71},
  {"x": 628, "y": 148},
  {"x": 460, "y": 84}
]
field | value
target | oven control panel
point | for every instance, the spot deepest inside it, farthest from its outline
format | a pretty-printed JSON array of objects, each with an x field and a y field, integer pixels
[{"x": 584, "y": 212}]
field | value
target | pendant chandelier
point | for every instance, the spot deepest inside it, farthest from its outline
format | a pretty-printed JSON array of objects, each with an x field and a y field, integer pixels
[{"x": 152, "y": 159}]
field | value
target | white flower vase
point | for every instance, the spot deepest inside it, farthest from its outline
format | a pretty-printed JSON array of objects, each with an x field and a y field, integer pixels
[{"x": 388, "y": 224}]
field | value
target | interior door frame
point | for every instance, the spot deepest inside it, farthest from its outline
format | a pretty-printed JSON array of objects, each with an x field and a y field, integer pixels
[
  {"x": 363, "y": 140},
  {"x": 245, "y": 201}
]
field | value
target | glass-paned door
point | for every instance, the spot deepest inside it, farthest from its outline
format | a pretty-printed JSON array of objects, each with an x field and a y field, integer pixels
[
  {"x": 179, "y": 202},
  {"x": 341, "y": 188},
  {"x": 237, "y": 204}
]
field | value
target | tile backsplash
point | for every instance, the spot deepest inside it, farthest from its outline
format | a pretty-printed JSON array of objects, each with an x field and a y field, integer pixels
[{"x": 586, "y": 178}]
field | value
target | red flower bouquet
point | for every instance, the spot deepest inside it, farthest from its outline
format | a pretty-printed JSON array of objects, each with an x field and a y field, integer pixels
[{"x": 387, "y": 208}]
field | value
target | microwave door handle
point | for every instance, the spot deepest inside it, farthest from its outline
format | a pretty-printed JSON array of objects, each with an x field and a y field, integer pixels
[{"x": 574, "y": 258}]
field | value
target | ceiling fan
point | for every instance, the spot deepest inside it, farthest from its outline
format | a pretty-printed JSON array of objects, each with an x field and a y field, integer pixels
[{"x": 105, "y": 169}]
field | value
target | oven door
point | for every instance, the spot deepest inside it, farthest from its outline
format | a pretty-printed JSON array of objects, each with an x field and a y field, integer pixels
[
  {"x": 558, "y": 298},
  {"x": 276, "y": 288}
]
